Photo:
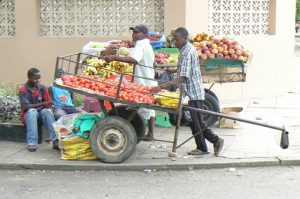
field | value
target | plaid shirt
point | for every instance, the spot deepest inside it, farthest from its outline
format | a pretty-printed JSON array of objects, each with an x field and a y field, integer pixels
[{"x": 190, "y": 69}]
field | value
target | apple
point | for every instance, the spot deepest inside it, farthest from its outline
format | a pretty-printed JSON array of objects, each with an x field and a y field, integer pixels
[{"x": 214, "y": 51}]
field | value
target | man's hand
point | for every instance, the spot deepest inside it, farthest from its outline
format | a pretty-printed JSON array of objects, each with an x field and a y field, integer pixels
[
  {"x": 156, "y": 89},
  {"x": 171, "y": 71},
  {"x": 109, "y": 58},
  {"x": 48, "y": 103}
]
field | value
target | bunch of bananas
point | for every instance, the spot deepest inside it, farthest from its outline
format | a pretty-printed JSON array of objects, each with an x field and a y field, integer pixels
[
  {"x": 167, "y": 99},
  {"x": 203, "y": 37},
  {"x": 105, "y": 73},
  {"x": 121, "y": 67},
  {"x": 96, "y": 66},
  {"x": 96, "y": 62}
]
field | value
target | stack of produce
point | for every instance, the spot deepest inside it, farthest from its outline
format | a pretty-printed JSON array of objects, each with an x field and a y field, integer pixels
[
  {"x": 209, "y": 48},
  {"x": 202, "y": 37},
  {"x": 120, "y": 43},
  {"x": 129, "y": 91},
  {"x": 96, "y": 66},
  {"x": 154, "y": 37},
  {"x": 166, "y": 58},
  {"x": 167, "y": 98}
]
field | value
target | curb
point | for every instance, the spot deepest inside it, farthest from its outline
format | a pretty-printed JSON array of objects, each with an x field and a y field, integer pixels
[{"x": 150, "y": 167}]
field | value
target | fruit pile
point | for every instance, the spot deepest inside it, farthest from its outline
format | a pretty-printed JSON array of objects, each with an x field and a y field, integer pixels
[
  {"x": 120, "y": 43},
  {"x": 168, "y": 99},
  {"x": 129, "y": 91},
  {"x": 166, "y": 58},
  {"x": 154, "y": 37},
  {"x": 202, "y": 37},
  {"x": 96, "y": 66},
  {"x": 209, "y": 47}
]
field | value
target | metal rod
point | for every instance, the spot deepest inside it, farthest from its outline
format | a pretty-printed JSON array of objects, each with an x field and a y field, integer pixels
[
  {"x": 119, "y": 86},
  {"x": 189, "y": 139},
  {"x": 233, "y": 118},
  {"x": 56, "y": 67},
  {"x": 176, "y": 131},
  {"x": 149, "y": 139},
  {"x": 77, "y": 63}
]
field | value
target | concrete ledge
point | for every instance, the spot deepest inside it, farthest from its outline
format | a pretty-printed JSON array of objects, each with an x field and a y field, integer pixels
[
  {"x": 17, "y": 132},
  {"x": 289, "y": 161}
]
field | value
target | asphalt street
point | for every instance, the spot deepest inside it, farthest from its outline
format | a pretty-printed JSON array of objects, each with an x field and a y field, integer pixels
[{"x": 258, "y": 183}]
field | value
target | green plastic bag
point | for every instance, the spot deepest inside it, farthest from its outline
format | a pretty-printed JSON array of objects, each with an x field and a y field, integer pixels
[{"x": 84, "y": 124}]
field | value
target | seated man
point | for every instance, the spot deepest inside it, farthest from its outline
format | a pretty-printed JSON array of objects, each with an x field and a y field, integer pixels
[
  {"x": 63, "y": 100},
  {"x": 36, "y": 108}
]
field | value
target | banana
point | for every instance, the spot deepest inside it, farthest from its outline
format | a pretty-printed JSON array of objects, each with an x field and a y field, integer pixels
[{"x": 168, "y": 99}]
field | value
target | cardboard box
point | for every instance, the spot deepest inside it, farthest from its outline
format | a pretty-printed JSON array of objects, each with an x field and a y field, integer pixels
[
  {"x": 221, "y": 75},
  {"x": 232, "y": 111}
]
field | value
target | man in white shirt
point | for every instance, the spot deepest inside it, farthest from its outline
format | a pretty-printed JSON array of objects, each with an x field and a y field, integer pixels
[{"x": 143, "y": 58}]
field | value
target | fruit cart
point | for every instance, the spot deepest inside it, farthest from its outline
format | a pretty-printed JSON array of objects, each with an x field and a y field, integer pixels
[
  {"x": 217, "y": 70},
  {"x": 114, "y": 137}
]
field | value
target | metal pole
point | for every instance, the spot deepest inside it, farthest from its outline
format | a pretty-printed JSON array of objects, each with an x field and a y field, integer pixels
[
  {"x": 233, "y": 118},
  {"x": 176, "y": 132}
]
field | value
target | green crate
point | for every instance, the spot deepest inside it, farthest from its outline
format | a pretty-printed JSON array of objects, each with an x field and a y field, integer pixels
[
  {"x": 167, "y": 50},
  {"x": 221, "y": 63},
  {"x": 162, "y": 119}
]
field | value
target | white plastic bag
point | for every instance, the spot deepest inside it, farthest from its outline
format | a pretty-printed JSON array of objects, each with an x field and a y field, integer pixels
[{"x": 63, "y": 126}]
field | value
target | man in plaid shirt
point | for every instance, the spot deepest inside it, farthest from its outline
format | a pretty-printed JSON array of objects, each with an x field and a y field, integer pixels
[{"x": 189, "y": 75}]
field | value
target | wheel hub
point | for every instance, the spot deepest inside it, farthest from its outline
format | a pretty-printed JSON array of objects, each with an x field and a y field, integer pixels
[{"x": 112, "y": 140}]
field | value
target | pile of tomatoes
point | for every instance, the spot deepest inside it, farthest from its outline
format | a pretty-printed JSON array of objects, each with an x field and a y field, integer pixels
[{"x": 128, "y": 91}]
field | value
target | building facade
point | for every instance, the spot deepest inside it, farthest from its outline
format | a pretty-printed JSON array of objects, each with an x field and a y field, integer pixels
[{"x": 34, "y": 32}]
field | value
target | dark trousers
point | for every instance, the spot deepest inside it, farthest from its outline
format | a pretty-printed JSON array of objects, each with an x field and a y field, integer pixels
[{"x": 198, "y": 125}]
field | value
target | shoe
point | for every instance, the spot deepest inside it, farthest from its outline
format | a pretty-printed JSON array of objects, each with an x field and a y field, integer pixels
[
  {"x": 218, "y": 146},
  {"x": 148, "y": 138},
  {"x": 55, "y": 145},
  {"x": 31, "y": 148},
  {"x": 197, "y": 152}
]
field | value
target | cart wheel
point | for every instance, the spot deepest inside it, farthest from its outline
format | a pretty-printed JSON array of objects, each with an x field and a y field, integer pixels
[
  {"x": 113, "y": 139},
  {"x": 137, "y": 122},
  {"x": 211, "y": 93},
  {"x": 211, "y": 104}
]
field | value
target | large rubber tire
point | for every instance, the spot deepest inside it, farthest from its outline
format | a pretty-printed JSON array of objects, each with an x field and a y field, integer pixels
[
  {"x": 137, "y": 122},
  {"x": 211, "y": 104},
  {"x": 211, "y": 93},
  {"x": 113, "y": 139}
]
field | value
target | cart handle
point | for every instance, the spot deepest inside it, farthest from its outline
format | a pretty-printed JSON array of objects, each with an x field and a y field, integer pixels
[{"x": 284, "y": 142}]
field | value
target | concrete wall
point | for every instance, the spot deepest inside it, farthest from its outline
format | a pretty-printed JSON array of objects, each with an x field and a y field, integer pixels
[{"x": 271, "y": 69}]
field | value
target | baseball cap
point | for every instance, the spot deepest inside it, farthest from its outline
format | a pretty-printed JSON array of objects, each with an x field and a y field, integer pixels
[{"x": 140, "y": 28}]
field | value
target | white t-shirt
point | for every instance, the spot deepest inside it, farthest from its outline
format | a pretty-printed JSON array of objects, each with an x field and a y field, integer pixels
[{"x": 144, "y": 55}]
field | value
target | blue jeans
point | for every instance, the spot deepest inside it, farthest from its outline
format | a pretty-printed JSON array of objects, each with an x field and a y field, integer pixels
[
  {"x": 32, "y": 118},
  {"x": 64, "y": 110}
]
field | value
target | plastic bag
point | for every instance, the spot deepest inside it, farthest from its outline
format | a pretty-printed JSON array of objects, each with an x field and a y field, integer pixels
[
  {"x": 63, "y": 126},
  {"x": 76, "y": 148}
]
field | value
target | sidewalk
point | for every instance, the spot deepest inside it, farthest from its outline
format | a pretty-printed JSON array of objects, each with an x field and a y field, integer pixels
[{"x": 250, "y": 145}]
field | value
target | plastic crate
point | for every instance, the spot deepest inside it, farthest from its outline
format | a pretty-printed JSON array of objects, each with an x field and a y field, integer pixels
[
  {"x": 159, "y": 43},
  {"x": 92, "y": 105},
  {"x": 167, "y": 50},
  {"x": 221, "y": 63},
  {"x": 162, "y": 119}
]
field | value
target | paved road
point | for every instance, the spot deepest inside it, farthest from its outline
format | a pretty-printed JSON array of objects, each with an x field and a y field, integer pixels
[{"x": 265, "y": 182}]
